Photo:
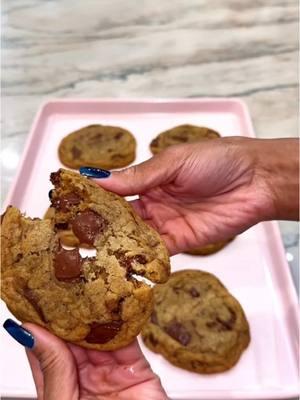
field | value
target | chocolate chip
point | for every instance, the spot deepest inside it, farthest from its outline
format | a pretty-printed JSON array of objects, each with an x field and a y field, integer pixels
[
  {"x": 76, "y": 153},
  {"x": 153, "y": 318},
  {"x": 62, "y": 226},
  {"x": 103, "y": 333},
  {"x": 87, "y": 226},
  {"x": 32, "y": 298},
  {"x": 221, "y": 324},
  {"x": 178, "y": 332},
  {"x": 140, "y": 259},
  {"x": 50, "y": 194},
  {"x": 154, "y": 142},
  {"x": 67, "y": 264},
  {"x": 64, "y": 203},
  {"x": 127, "y": 261},
  {"x": 194, "y": 292},
  {"x": 55, "y": 177},
  {"x": 118, "y": 135}
]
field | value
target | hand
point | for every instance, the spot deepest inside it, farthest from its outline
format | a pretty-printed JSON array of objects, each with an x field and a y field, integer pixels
[
  {"x": 197, "y": 194},
  {"x": 68, "y": 372}
]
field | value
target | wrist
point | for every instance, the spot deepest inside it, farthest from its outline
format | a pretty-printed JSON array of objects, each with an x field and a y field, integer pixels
[{"x": 277, "y": 174}]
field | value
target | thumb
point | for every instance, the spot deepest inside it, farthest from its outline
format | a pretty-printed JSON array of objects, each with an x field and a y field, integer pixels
[
  {"x": 158, "y": 170},
  {"x": 55, "y": 363}
]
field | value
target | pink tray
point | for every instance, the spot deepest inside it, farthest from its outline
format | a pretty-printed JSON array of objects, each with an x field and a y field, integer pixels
[{"x": 253, "y": 266}]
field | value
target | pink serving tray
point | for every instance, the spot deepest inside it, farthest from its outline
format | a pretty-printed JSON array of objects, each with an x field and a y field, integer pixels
[{"x": 253, "y": 266}]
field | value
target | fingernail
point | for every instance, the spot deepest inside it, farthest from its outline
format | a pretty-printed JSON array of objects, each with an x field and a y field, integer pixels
[
  {"x": 20, "y": 334},
  {"x": 94, "y": 172}
]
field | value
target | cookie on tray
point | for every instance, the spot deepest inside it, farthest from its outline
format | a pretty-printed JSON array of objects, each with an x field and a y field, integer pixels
[
  {"x": 95, "y": 302},
  {"x": 210, "y": 248},
  {"x": 98, "y": 146},
  {"x": 196, "y": 323},
  {"x": 181, "y": 134}
]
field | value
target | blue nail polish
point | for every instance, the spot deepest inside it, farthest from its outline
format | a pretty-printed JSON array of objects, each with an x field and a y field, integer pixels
[
  {"x": 20, "y": 334},
  {"x": 94, "y": 172}
]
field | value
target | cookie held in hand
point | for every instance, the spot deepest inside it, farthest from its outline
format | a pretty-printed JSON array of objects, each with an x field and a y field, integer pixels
[
  {"x": 95, "y": 302},
  {"x": 196, "y": 323}
]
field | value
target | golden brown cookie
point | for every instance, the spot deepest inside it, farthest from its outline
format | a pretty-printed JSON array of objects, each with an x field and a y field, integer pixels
[
  {"x": 196, "y": 323},
  {"x": 98, "y": 146},
  {"x": 210, "y": 248},
  {"x": 95, "y": 302},
  {"x": 181, "y": 134}
]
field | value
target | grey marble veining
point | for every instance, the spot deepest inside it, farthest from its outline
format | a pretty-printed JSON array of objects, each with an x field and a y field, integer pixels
[{"x": 115, "y": 48}]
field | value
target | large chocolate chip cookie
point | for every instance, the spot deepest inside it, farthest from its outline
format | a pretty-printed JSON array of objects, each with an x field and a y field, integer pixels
[
  {"x": 95, "y": 302},
  {"x": 196, "y": 324},
  {"x": 181, "y": 134},
  {"x": 98, "y": 146}
]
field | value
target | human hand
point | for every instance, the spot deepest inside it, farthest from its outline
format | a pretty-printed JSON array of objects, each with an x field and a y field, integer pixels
[
  {"x": 65, "y": 371},
  {"x": 196, "y": 194}
]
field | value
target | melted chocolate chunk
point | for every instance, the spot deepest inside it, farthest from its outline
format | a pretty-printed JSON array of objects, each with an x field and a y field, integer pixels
[
  {"x": 76, "y": 152},
  {"x": 55, "y": 177},
  {"x": 178, "y": 332},
  {"x": 64, "y": 203},
  {"x": 103, "y": 333},
  {"x": 32, "y": 298},
  {"x": 194, "y": 292},
  {"x": 50, "y": 194},
  {"x": 153, "y": 318},
  {"x": 87, "y": 226},
  {"x": 67, "y": 264}
]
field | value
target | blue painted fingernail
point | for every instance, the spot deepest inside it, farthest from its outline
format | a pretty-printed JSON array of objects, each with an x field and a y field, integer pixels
[
  {"x": 94, "y": 172},
  {"x": 20, "y": 334}
]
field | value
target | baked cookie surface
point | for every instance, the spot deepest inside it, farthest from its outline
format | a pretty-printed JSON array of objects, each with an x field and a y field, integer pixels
[
  {"x": 210, "y": 248},
  {"x": 196, "y": 324},
  {"x": 95, "y": 302},
  {"x": 181, "y": 134},
  {"x": 98, "y": 146}
]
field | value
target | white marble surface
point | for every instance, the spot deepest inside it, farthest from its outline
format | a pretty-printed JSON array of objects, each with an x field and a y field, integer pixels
[{"x": 147, "y": 48}]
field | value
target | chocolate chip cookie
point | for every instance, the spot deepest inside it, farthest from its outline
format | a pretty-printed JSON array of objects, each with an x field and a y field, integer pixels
[
  {"x": 210, "y": 248},
  {"x": 98, "y": 146},
  {"x": 196, "y": 323},
  {"x": 98, "y": 301},
  {"x": 181, "y": 134}
]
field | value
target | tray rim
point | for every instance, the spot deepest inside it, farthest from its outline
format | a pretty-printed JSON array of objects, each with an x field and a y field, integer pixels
[
  {"x": 50, "y": 102},
  {"x": 45, "y": 108}
]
